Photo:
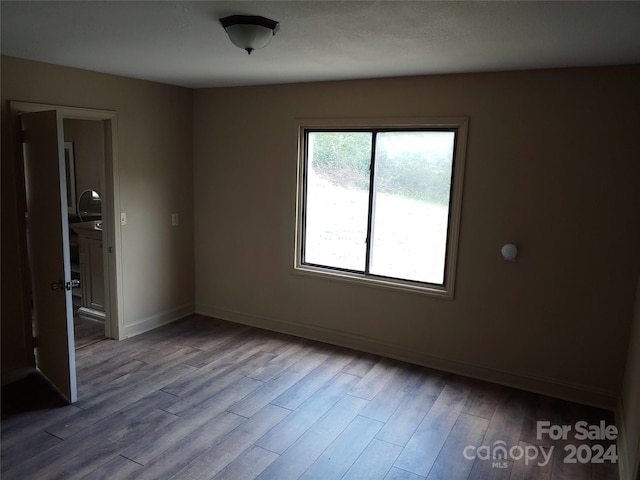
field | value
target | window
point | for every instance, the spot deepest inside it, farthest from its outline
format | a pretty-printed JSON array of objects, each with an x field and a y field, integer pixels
[{"x": 381, "y": 203}]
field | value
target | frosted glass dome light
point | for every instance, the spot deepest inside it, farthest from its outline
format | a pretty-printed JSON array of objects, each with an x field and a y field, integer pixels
[{"x": 249, "y": 32}]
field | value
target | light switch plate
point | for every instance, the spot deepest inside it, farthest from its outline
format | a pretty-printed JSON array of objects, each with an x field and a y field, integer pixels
[{"x": 174, "y": 219}]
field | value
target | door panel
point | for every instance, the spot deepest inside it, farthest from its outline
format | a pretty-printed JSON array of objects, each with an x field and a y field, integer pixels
[
  {"x": 48, "y": 247},
  {"x": 96, "y": 279}
]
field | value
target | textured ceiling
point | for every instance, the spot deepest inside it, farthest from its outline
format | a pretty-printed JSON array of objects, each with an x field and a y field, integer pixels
[{"x": 182, "y": 43}]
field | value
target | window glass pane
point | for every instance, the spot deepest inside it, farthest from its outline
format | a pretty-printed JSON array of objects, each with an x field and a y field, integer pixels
[
  {"x": 337, "y": 199},
  {"x": 411, "y": 205}
]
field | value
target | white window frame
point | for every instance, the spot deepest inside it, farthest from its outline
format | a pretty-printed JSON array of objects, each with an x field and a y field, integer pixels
[{"x": 460, "y": 124}]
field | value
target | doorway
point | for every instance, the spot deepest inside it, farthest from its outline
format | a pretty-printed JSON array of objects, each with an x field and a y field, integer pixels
[
  {"x": 105, "y": 280},
  {"x": 85, "y": 166}
]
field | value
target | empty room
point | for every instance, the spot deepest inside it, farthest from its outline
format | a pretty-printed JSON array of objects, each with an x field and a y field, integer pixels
[{"x": 317, "y": 239}]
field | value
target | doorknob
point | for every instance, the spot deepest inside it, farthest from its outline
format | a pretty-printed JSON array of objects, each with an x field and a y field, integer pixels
[{"x": 67, "y": 286}]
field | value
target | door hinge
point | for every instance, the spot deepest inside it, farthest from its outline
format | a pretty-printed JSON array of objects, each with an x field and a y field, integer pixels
[
  {"x": 35, "y": 342},
  {"x": 22, "y": 137}
]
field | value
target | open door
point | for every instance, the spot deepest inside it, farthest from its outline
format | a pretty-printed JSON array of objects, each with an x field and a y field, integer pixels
[{"x": 48, "y": 248}]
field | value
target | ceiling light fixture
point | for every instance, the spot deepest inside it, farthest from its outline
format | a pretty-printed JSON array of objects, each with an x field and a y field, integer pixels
[{"x": 249, "y": 32}]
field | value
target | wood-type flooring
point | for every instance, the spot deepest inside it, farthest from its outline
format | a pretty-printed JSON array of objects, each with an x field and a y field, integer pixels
[{"x": 207, "y": 399}]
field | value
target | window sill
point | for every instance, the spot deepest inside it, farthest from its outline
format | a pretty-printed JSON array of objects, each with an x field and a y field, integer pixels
[{"x": 435, "y": 291}]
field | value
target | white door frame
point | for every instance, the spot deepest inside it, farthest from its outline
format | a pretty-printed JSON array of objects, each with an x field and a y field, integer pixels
[{"x": 114, "y": 308}]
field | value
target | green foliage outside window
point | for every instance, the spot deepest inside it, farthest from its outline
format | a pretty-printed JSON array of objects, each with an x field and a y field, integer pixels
[{"x": 343, "y": 158}]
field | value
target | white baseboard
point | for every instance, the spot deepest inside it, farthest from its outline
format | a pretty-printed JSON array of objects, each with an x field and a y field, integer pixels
[
  {"x": 157, "y": 320},
  {"x": 91, "y": 314},
  {"x": 545, "y": 386}
]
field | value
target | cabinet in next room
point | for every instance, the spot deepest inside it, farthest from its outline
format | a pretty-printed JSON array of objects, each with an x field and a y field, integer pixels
[{"x": 91, "y": 269}]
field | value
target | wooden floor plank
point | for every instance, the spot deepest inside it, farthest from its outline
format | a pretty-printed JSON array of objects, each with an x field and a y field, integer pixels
[
  {"x": 214, "y": 336},
  {"x": 487, "y": 470},
  {"x": 97, "y": 352},
  {"x": 344, "y": 451},
  {"x": 23, "y": 428},
  {"x": 111, "y": 403},
  {"x": 387, "y": 400},
  {"x": 219, "y": 383},
  {"x": 216, "y": 365},
  {"x": 311, "y": 383},
  {"x": 507, "y": 420},
  {"x": 451, "y": 462},
  {"x": 542, "y": 408},
  {"x": 248, "y": 465},
  {"x": 281, "y": 361},
  {"x": 191, "y": 420},
  {"x": 361, "y": 364},
  {"x": 299, "y": 421},
  {"x": 53, "y": 458},
  {"x": 218, "y": 457},
  {"x": 563, "y": 470},
  {"x": 375, "y": 462},
  {"x": 483, "y": 399},
  {"x": 601, "y": 471},
  {"x": 118, "y": 468},
  {"x": 148, "y": 371},
  {"x": 399, "y": 474},
  {"x": 400, "y": 427},
  {"x": 107, "y": 373},
  {"x": 86, "y": 331},
  {"x": 303, "y": 452},
  {"x": 166, "y": 462},
  {"x": 375, "y": 380},
  {"x": 169, "y": 352},
  {"x": 21, "y": 452},
  {"x": 526, "y": 469},
  {"x": 29, "y": 400},
  {"x": 268, "y": 392},
  {"x": 425, "y": 444},
  {"x": 140, "y": 382},
  {"x": 103, "y": 452}
]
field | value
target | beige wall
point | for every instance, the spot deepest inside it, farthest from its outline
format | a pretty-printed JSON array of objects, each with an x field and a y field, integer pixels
[
  {"x": 629, "y": 412},
  {"x": 551, "y": 165},
  {"x": 88, "y": 146},
  {"x": 156, "y": 179}
]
